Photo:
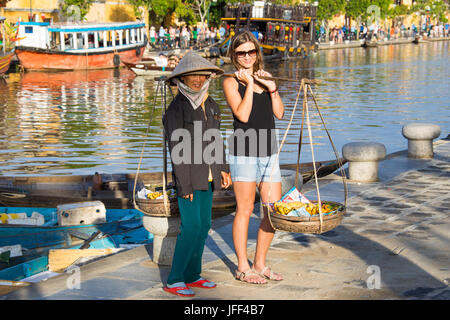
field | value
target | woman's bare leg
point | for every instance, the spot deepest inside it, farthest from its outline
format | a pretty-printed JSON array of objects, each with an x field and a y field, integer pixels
[
  {"x": 266, "y": 232},
  {"x": 245, "y": 198}
]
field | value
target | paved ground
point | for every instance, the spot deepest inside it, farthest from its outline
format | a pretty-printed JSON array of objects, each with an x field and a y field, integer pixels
[{"x": 392, "y": 244}]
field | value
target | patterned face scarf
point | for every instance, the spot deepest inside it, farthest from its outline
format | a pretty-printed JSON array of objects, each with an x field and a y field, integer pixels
[{"x": 196, "y": 98}]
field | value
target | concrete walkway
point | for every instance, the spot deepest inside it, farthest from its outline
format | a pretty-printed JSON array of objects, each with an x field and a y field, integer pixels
[{"x": 393, "y": 243}]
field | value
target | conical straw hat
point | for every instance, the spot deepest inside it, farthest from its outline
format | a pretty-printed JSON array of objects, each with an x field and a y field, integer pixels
[{"x": 192, "y": 63}]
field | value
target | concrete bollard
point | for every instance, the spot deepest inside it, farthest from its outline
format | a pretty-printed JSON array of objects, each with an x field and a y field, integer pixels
[
  {"x": 165, "y": 231},
  {"x": 287, "y": 182},
  {"x": 420, "y": 139},
  {"x": 363, "y": 160}
]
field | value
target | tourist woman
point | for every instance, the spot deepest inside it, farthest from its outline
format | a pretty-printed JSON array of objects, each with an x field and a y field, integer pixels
[
  {"x": 195, "y": 177},
  {"x": 254, "y": 102}
]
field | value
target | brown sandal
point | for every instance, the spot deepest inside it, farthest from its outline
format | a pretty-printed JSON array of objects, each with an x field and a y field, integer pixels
[
  {"x": 271, "y": 275},
  {"x": 244, "y": 276}
]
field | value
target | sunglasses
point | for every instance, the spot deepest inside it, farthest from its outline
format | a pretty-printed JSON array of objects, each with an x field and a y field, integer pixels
[{"x": 242, "y": 54}]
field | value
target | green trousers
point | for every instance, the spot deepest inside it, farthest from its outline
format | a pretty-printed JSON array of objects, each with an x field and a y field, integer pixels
[{"x": 195, "y": 224}]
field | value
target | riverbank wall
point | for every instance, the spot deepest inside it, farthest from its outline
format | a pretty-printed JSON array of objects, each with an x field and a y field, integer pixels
[{"x": 359, "y": 43}]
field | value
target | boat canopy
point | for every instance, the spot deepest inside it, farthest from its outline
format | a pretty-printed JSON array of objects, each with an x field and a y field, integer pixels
[
  {"x": 76, "y": 37},
  {"x": 275, "y": 26}
]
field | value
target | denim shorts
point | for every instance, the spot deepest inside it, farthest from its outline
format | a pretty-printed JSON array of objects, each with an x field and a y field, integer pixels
[{"x": 256, "y": 169}]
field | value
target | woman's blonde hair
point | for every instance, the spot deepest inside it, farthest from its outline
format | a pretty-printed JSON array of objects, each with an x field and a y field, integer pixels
[{"x": 241, "y": 38}]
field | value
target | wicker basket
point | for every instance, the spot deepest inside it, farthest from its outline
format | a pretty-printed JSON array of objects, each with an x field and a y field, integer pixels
[
  {"x": 307, "y": 224},
  {"x": 155, "y": 207}
]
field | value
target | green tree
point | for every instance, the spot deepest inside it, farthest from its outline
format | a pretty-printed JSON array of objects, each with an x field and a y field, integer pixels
[
  {"x": 137, "y": 5},
  {"x": 357, "y": 10},
  {"x": 438, "y": 10},
  {"x": 160, "y": 10},
  {"x": 327, "y": 9},
  {"x": 3, "y": 3},
  {"x": 398, "y": 13},
  {"x": 76, "y": 9}
]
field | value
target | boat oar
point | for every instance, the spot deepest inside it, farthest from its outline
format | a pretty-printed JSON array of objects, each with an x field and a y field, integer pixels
[{"x": 304, "y": 80}]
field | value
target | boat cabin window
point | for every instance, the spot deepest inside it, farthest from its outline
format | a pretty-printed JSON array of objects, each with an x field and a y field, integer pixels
[{"x": 28, "y": 29}]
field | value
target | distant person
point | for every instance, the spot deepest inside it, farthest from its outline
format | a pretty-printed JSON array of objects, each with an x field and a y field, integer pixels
[
  {"x": 152, "y": 36},
  {"x": 222, "y": 32},
  {"x": 161, "y": 60},
  {"x": 161, "y": 35}
]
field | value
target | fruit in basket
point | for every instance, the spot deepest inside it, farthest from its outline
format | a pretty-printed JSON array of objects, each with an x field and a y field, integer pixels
[
  {"x": 285, "y": 208},
  {"x": 158, "y": 194},
  {"x": 154, "y": 195},
  {"x": 313, "y": 209},
  {"x": 327, "y": 207}
]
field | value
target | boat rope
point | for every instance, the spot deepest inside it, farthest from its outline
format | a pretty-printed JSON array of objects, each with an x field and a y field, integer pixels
[
  {"x": 278, "y": 155},
  {"x": 143, "y": 147},
  {"x": 336, "y": 153},
  {"x": 306, "y": 87}
]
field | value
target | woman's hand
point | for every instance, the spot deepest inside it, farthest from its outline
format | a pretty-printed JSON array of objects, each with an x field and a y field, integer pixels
[
  {"x": 244, "y": 76},
  {"x": 226, "y": 180},
  {"x": 189, "y": 196},
  {"x": 269, "y": 84}
]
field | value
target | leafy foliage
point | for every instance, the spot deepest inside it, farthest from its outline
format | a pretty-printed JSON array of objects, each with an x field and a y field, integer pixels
[
  {"x": 328, "y": 8},
  {"x": 76, "y": 9},
  {"x": 3, "y": 3},
  {"x": 10, "y": 34}
]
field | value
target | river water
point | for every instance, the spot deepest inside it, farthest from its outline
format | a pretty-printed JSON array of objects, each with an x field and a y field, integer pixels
[{"x": 99, "y": 121}]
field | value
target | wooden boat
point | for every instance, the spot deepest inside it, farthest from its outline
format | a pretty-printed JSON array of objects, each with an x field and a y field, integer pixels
[
  {"x": 289, "y": 30},
  {"x": 5, "y": 60},
  {"x": 419, "y": 39},
  {"x": 6, "y": 53},
  {"x": 146, "y": 69},
  {"x": 324, "y": 168},
  {"x": 369, "y": 44},
  {"x": 114, "y": 190},
  {"x": 54, "y": 235},
  {"x": 123, "y": 227},
  {"x": 226, "y": 60},
  {"x": 75, "y": 46}
]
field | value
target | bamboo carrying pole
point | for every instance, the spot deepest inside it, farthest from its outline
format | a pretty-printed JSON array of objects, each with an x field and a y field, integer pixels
[{"x": 303, "y": 80}]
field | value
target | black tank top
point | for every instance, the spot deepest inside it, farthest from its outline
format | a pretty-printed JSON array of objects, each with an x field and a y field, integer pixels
[{"x": 256, "y": 137}]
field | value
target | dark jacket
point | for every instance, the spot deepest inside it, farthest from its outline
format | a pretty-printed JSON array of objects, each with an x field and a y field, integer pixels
[{"x": 192, "y": 173}]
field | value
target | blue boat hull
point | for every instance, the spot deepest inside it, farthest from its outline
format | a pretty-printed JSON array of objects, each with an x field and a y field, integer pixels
[{"x": 123, "y": 226}]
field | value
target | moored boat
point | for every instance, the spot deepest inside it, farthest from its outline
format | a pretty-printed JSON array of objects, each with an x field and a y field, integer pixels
[
  {"x": 115, "y": 190},
  {"x": 146, "y": 69},
  {"x": 51, "y": 233},
  {"x": 5, "y": 60},
  {"x": 25, "y": 248},
  {"x": 369, "y": 43},
  {"x": 283, "y": 31},
  {"x": 6, "y": 51},
  {"x": 75, "y": 46},
  {"x": 226, "y": 60}
]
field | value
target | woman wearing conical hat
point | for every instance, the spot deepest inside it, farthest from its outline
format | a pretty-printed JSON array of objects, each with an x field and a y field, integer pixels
[{"x": 192, "y": 127}]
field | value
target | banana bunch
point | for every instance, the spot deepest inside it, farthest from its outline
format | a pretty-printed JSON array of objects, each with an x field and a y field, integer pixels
[
  {"x": 313, "y": 209},
  {"x": 157, "y": 194},
  {"x": 327, "y": 207},
  {"x": 285, "y": 208}
]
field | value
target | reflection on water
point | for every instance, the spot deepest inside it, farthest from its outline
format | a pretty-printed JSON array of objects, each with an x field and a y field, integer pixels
[{"x": 86, "y": 121}]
